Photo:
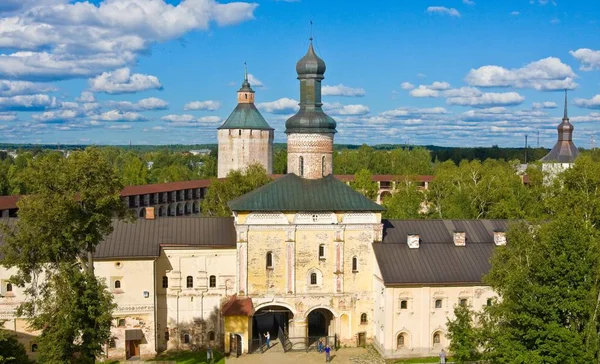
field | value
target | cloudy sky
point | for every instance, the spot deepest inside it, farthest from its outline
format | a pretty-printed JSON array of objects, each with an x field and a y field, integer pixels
[{"x": 443, "y": 72}]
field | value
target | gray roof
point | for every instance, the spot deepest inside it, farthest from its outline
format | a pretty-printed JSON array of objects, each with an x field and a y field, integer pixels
[
  {"x": 437, "y": 260},
  {"x": 143, "y": 238},
  {"x": 245, "y": 116},
  {"x": 292, "y": 193}
]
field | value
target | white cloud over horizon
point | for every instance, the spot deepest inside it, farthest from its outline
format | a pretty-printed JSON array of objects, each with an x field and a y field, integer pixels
[
  {"x": 341, "y": 90},
  {"x": 589, "y": 59},
  {"x": 443, "y": 10},
  {"x": 208, "y": 105},
  {"x": 122, "y": 81}
]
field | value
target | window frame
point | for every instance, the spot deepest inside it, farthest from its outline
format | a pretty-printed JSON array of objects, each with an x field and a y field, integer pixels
[
  {"x": 436, "y": 335},
  {"x": 364, "y": 319},
  {"x": 269, "y": 260},
  {"x": 212, "y": 281},
  {"x": 321, "y": 251},
  {"x": 9, "y": 287},
  {"x": 404, "y": 304},
  {"x": 435, "y": 303},
  {"x": 354, "y": 264},
  {"x": 189, "y": 282},
  {"x": 398, "y": 338},
  {"x": 165, "y": 282},
  {"x": 117, "y": 284},
  {"x": 315, "y": 281}
]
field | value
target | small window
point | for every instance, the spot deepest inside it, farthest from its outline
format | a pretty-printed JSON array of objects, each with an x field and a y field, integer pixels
[
  {"x": 186, "y": 339},
  {"x": 436, "y": 338},
  {"x": 112, "y": 343},
  {"x": 301, "y": 166},
  {"x": 489, "y": 302},
  {"x": 8, "y": 287},
  {"x": 403, "y": 305},
  {"x": 121, "y": 323},
  {"x": 322, "y": 251},
  {"x": 269, "y": 260},
  {"x": 463, "y": 301},
  {"x": 354, "y": 264},
  {"x": 117, "y": 284},
  {"x": 165, "y": 282},
  {"x": 34, "y": 348},
  {"x": 240, "y": 132},
  {"x": 211, "y": 336},
  {"x": 190, "y": 282},
  {"x": 212, "y": 281},
  {"x": 363, "y": 318},
  {"x": 167, "y": 336},
  {"x": 323, "y": 166},
  {"x": 313, "y": 278},
  {"x": 438, "y": 303},
  {"x": 246, "y": 96},
  {"x": 400, "y": 341}
]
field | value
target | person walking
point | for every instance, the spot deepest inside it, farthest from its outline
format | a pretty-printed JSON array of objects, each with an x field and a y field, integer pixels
[
  {"x": 442, "y": 357},
  {"x": 320, "y": 346},
  {"x": 327, "y": 353},
  {"x": 209, "y": 355},
  {"x": 268, "y": 337}
]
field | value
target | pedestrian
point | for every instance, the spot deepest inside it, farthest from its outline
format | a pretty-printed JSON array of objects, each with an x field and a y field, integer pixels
[
  {"x": 209, "y": 355},
  {"x": 320, "y": 346},
  {"x": 327, "y": 355},
  {"x": 268, "y": 337},
  {"x": 442, "y": 357}
]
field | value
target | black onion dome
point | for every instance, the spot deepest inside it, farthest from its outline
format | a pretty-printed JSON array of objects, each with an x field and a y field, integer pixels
[{"x": 310, "y": 64}]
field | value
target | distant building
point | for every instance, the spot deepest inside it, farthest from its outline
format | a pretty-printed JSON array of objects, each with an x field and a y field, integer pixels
[
  {"x": 245, "y": 137},
  {"x": 564, "y": 152},
  {"x": 199, "y": 152}
]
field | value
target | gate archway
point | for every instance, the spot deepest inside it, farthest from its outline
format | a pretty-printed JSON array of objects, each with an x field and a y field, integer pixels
[
  {"x": 271, "y": 319},
  {"x": 320, "y": 322}
]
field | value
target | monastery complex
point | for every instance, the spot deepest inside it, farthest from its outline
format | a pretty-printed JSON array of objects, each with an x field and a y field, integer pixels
[{"x": 305, "y": 257}]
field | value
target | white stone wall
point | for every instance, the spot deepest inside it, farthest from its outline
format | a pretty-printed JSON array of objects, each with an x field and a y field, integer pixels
[
  {"x": 238, "y": 148},
  {"x": 316, "y": 151}
]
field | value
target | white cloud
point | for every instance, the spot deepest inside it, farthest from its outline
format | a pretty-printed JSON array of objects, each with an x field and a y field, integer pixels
[
  {"x": 13, "y": 88},
  {"x": 515, "y": 13},
  {"x": 339, "y": 109},
  {"x": 119, "y": 127},
  {"x": 8, "y": 116},
  {"x": 185, "y": 118},
  {"x": 280, "y": 106},
  {"x": 487, "y": 99},
  {"x": 116, "y": 115},
  {"x": 254, "y": 82},
  {"x": 430, "y": 90},
  {"x": 545, "y": 75},
  {"x": 589, "y": 59},
  {"x": 123, "y": 81},
  {"x": 462, "y": 92},
  {"x": 341, "y": 90},
  {"x": 83, "y": 39},
  {"x": 208, "y": 105},
  {"x": 407, "y": 85},
  {"x": 410, "y": 112},
  {"x": 27, "y": 103},
  {"x": 443, "y": 10},
  {"x": 468, "y": 2},
  {"x": 86, "y": 96},
  {"x": 209, "y": 119},
  {"x": 544, "y": 105},
  {"x": 56, "y": 116},
  {"x": 151, "y": 103},
  {"x": 593, "y": 103},
  {"x": 591, "y": 117}
]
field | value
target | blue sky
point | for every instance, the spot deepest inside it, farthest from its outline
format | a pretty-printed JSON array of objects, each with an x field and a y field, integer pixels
[{"x": 443, "y": 72}]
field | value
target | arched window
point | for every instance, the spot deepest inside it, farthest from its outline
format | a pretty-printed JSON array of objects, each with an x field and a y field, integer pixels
[
  {"x": 117, "y": 284},
  {"x": 489, "y": 302},
  {"x": 363, "y": 318},
  {"x": 186, "y": 338},
  {"x": 400, "y": 341},
  {"x": 34, "y": 348},
  {"x": 354, "y": 264},
  {"x": 212, "y": 281},
  {"x": 322, "y": 251},
  {"x": 323, "y": 166},
  {"x": 438, "y": 303},
  {"x": 161, "y": 211},
  {"x": 403, "y": 304},
  {"x": 269, "y": 260},
  {"x": 463, "y": 302},
  {"x": 8, "y": 287},
  {"x": 189, "y": 282},
  {"x": 301, "y": 166},
  {"x": 121, "y": 323},
  {"x": 436, "y": 338},
  {"x": 211, "y": 336},
  {"x": 165, "y": 282},
  {"x": 313, "y": 278},
  {"x": 142, "y": 212}
]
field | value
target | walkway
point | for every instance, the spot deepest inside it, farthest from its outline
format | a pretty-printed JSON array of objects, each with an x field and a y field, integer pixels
[{"x": 277, "y": 356}]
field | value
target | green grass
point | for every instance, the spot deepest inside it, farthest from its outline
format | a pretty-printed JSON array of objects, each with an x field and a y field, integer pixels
[
  {"x": 189, "y": 357},
  {"x": 429, "y": 359}
]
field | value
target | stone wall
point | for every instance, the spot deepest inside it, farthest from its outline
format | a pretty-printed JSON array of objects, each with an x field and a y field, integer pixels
[
  {"x": 238, "y": 148},
  {"x": 316, "y": 151}
]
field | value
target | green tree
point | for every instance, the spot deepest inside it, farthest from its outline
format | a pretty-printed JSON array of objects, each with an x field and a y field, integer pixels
[
  {"x": 407, "y": 202},
  {"x": 236, "y": 184},
  {"x": 133, "y": 170},
  {"x": 69, "y": 212},
  {"x": 463, "y": 335},
  {"x": 11, "y": 350},
  {"x": 280, "y": 161},
  {"x": 363, "y": 183}
]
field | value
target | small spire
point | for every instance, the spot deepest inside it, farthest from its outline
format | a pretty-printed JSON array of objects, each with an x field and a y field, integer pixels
[
  {"x": 565, "y": 116},
  {"x": 245, "y": 72},
  {"x": 311, "y": 32}
]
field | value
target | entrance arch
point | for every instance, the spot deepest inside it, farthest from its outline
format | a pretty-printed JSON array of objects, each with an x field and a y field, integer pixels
[
  {"x": 271, "y": 319},
  {"x": 320, "y": 322}
]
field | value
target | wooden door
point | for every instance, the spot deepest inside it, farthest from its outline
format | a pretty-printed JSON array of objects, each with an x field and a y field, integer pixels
[{"x": 362, "y": 339}]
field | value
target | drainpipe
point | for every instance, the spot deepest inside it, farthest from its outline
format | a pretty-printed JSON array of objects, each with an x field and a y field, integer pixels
[{"x": 155, "y": 309}]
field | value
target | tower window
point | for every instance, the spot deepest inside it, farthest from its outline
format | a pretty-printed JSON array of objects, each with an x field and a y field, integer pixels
[
  {"x": 313, "y": 278},
  {"x": 190, "y": 282},
  {"x": 240, "y": 132},
  {"x": 165, "y": 282},
  {"x": 354, "y": 264},
  {"x": 246, "y": 96},
  {"x": 322, "y": 251},
  {"x": 301, "y": 166},
  {"x": 323, "y": 166},
  {"x": 363, "y": 318},
  {"x": 212, "y": 281},
  {"x": 269, "y": 260}
]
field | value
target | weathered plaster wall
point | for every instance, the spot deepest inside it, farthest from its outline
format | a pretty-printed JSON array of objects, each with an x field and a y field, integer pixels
[{"x": 238, "y": 148}]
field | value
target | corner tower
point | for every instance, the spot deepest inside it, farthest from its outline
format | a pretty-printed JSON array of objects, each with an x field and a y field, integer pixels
[
  {"x": 310, "y": 132},
  {"x": 245, "y": 137}
]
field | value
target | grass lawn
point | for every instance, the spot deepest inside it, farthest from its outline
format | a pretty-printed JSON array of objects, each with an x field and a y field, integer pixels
[
  {"x": 189, "y": 357},
  {"x": 429, "y": 359}
]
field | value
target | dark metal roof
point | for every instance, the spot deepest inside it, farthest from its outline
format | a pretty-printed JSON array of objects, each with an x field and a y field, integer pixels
[
  {"x": 245, "y": 116},
  {"x": 564, "y": 151},
  {"x": 292, "y": 193},
  {"x": 437, "y": 260},
  {"x": 143, "y": 238},
  {"x": 238, "y": 307}
]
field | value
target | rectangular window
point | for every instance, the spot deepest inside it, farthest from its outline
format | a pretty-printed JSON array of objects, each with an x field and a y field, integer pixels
[
  {"x": 212, "y": 281},
  {"x": 403, "y": 305},
  {"x": 463, "y": 301},
  {"x": 321, "y": 251},
  {"x": 438, "y": 303}
]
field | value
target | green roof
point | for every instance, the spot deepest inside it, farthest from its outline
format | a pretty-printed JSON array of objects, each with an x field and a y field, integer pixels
[
  {"x": 245, "y": 116},
  {"x": 292, "y": 193}
]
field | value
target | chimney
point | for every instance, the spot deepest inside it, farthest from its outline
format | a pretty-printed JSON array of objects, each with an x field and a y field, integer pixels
[
  {"x": 499, "y": 237},
  {"x": 459, "y": 238},
  {"x": 413, "y": 241}
]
